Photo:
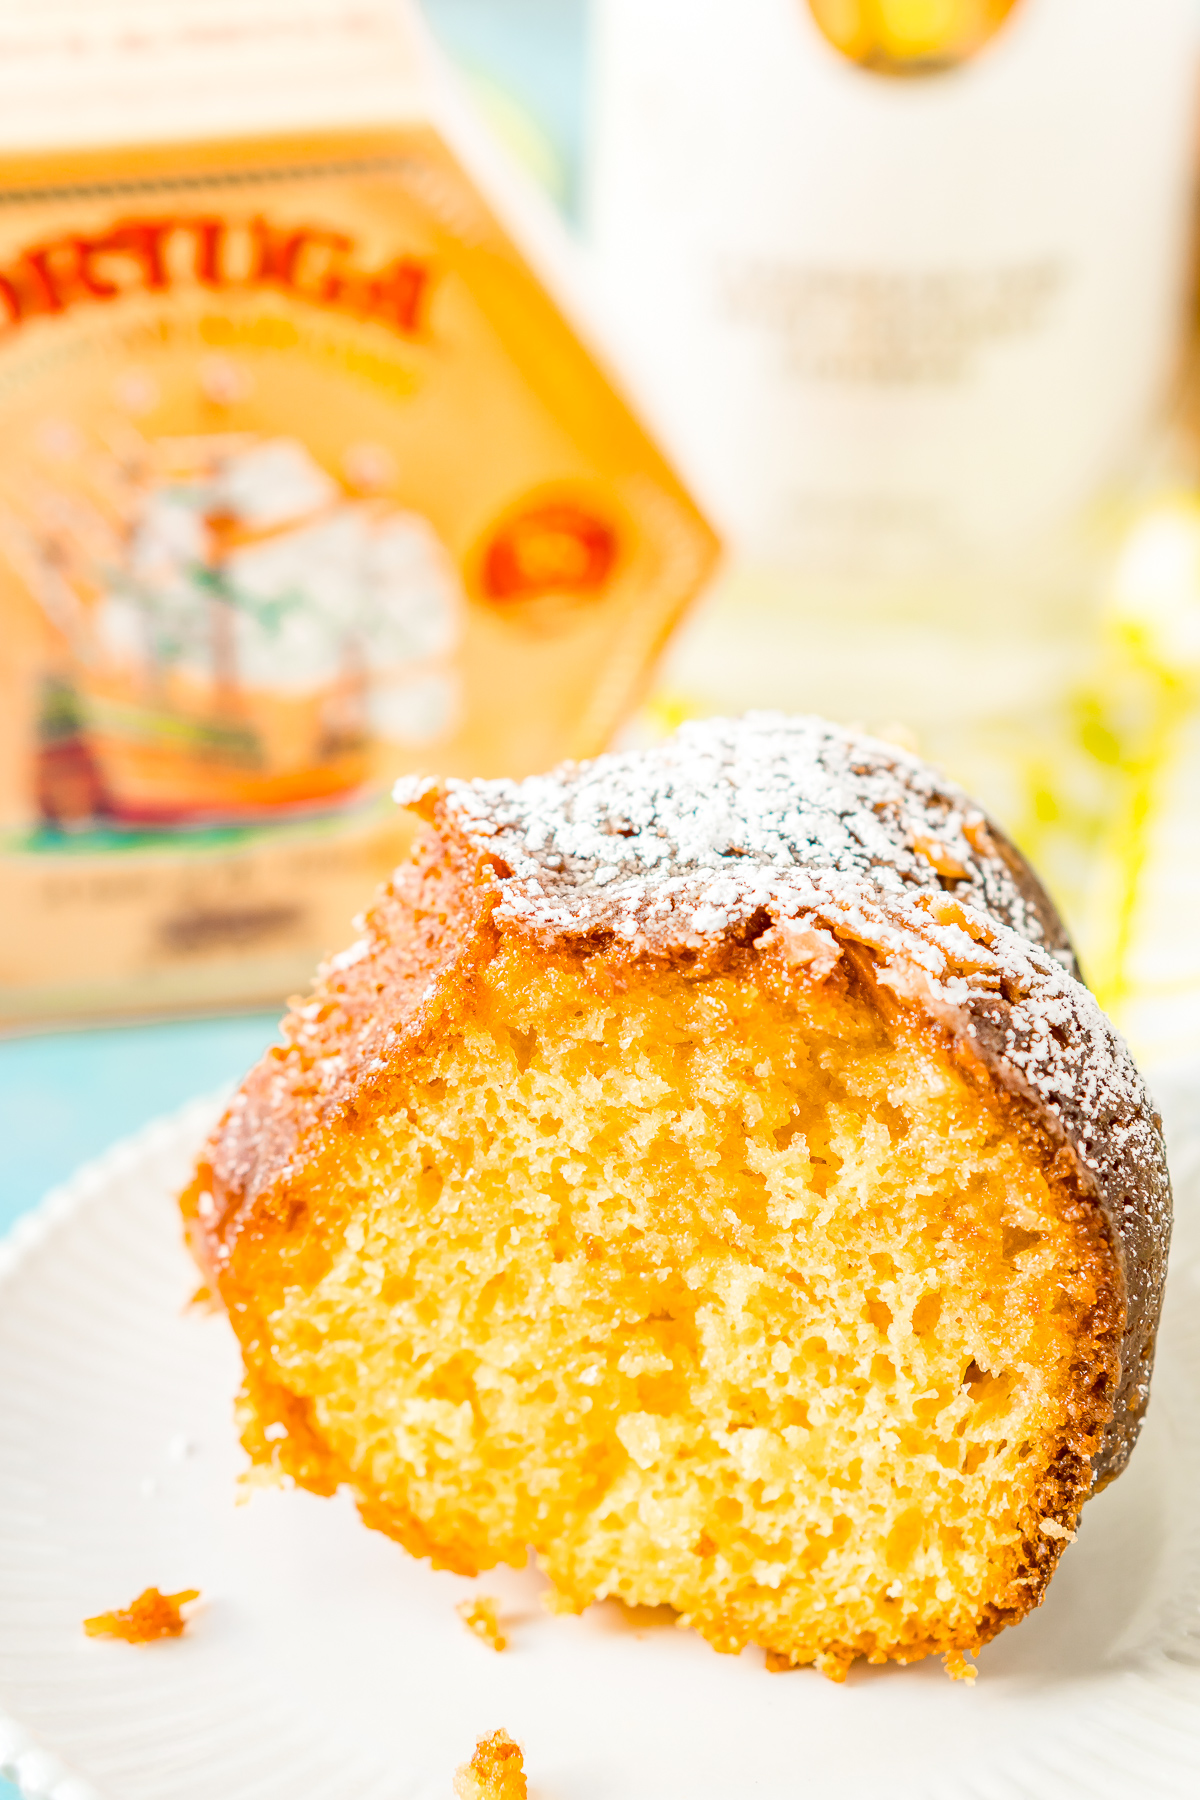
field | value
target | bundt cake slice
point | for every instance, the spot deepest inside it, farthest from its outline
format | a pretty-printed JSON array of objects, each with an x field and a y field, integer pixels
[{"x": 706, "y": 1170}]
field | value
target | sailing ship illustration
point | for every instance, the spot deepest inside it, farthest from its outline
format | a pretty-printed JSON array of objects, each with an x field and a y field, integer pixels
[{"x": 241, "y": 632}]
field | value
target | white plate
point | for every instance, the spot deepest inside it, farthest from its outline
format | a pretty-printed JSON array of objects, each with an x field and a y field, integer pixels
[{"x": 325, "y": 1664}]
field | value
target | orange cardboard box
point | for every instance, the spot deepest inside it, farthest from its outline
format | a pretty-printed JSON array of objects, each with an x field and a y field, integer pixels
[{"x": 307, "y": 479}]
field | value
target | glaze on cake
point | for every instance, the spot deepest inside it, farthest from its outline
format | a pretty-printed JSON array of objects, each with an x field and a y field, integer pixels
[{"x": 707, "y": 1169}]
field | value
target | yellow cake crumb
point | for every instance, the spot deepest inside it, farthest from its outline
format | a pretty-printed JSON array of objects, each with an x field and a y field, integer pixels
[
  {"x": 495, "y": 1772},
  {"x": 480, "y": 1616},
  {"x": 152, "y": 1615}
]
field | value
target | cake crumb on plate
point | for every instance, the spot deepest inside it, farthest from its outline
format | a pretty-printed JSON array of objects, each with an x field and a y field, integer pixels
[
  {"x": 480, "y": 1616},
  {"x": 495, "y": 1772},
  {"x": 152, "y": 1615}
]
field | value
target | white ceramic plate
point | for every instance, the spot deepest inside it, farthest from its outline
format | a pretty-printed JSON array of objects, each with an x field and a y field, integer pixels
[{"x": 324, "y": 1664}]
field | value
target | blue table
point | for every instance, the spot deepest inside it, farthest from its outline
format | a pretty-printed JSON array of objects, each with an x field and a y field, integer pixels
[{"x": 64, "y": 1097}]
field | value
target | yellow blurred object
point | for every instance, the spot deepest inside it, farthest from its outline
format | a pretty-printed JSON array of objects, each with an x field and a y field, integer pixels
[
  {"x": 907, "y": 37},
  {"x": 1154, "y": 606},
  {"x": 1142, "y": 709}
]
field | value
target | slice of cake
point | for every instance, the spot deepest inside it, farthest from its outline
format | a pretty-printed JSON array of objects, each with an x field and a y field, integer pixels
[{"x": 707, "y": 1170}]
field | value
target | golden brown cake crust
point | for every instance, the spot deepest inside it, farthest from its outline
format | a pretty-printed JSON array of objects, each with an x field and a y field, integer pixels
[
  {"x": 369, "y": 1004},
  {"x": 759, "y": 840}
]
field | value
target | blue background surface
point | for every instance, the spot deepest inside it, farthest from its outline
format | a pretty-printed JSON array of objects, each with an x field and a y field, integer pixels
[{"x": 66, "y": 1096}]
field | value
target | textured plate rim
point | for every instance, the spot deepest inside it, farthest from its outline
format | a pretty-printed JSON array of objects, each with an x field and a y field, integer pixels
[{"x": 39, "y": 1773}]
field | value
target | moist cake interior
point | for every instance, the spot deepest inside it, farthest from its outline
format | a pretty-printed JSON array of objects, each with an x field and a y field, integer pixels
[{"x": 732, "y": 1292}]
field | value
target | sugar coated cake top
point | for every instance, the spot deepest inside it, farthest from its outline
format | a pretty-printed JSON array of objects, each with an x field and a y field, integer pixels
[{"x": 726, "y": 816}]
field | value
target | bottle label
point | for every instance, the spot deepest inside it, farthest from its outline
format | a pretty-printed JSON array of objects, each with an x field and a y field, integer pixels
[
  {"x": 305, "y": 482},
  {"x": 904, "y": 327}
]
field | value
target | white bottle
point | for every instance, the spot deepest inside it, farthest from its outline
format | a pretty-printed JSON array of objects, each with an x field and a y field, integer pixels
[{"x": 898, "y": 325}]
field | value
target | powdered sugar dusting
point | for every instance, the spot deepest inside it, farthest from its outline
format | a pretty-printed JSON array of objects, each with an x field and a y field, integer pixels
[
  {"x": 725, "y": 817},
  {"x": 680, "y": 845},
  {"x": 807, "y": 828}
]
